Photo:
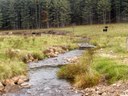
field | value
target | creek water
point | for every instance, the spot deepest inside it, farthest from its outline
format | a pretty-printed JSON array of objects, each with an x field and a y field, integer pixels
[{"x": 44, "y": 80}]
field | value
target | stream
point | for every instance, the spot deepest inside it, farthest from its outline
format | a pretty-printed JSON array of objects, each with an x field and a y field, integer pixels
[{"x": 43, "y": 79}]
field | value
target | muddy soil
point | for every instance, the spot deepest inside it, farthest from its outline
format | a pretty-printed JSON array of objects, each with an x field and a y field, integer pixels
[{"x": 36, "y": 33}]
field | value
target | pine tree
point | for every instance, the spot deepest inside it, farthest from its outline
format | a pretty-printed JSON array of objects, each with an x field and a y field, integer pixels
[
  {"x": 104, "y": 7},
  {"x": 45, "y": 10},
  {"x": 12, "y": 14},
  {"x": 25, "y": 14},
  {"x": 64, "y": 12},
  {"x": 124, "y": 10},
  {"x": 75, "y": 11},
  {"x": 1, "y": 18},
  {"x": 87, "y": 11},
  {"x": 59, "y": 13},
  {"x": 5, "y": 13}
]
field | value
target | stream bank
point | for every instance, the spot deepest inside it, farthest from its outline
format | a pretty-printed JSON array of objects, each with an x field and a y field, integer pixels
[{"x": 43, "y": 79}]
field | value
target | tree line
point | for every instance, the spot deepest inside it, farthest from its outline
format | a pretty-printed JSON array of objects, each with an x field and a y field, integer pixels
[{"x": 29, "y": 14}]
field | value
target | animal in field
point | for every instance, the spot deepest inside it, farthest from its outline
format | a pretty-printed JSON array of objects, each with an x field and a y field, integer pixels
[
  {"x": 36, "y": 33},
  {"x": 105, "y": 29}
]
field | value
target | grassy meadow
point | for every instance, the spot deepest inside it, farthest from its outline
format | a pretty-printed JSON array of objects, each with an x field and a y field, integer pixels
[
  {"x": 13, "y": 50},
  {"x": 110, "y": 54},
  {"x": 109, "y": 60}
]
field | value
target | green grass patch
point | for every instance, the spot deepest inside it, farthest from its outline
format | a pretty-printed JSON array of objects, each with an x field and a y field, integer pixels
[{"x": 111, "y": 69}]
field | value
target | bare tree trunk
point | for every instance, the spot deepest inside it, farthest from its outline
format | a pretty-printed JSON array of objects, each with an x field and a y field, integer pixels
[
  {"x": 48, "y": 24},
  {"x": 104, "y": 17},
  {"x": 38, "y": 18},
  {"x": 109, "y": 17},
  {"x": 57, "y": 21},
  {"x": 127, "y": 44},
  {"x": 91, "y": 18}
]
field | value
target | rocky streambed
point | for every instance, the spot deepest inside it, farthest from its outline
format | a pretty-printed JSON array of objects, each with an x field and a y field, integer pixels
[{"x": 43, "y": 78}]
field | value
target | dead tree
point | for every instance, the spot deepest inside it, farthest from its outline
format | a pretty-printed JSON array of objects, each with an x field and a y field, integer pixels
[{"x": 126, "y": 43}]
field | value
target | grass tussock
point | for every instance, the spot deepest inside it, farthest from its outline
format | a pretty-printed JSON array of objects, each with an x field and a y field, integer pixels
[
  {"x": 12, "y": 53},
  {"x": 9, "y": 69},
  {"x": 81, "y": 74},
  {"x": 69, "y": 72},
  {"x": 86, "y": 80}
]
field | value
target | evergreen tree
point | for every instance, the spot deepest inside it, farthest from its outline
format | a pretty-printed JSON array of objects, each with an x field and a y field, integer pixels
[
  {"x": 87, "y": 11},
  {"x": 45, "y": 11},
  {"x": 104, "y": 7},
  {"x": 1, "y": 18},
  {"x": 12, "y": 14},
  {"x": 75, "y": 11},
  {"x": 124, "y": 10},
  {"x": 25, "y": 14},
  {"x": 59, "y": 13}
]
